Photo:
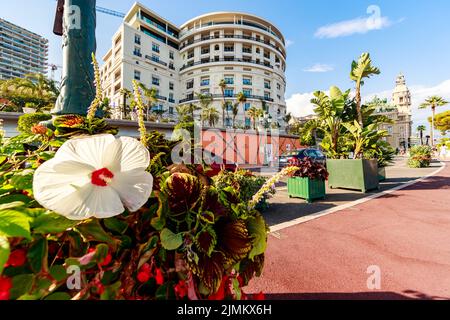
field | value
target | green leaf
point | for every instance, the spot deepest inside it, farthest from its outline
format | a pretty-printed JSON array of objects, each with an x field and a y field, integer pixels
[
  {"x": 58, "y": 272},
  {"x": 4, "y": 252},
  {"x": 158, "y": 223},
  {"x": 58, "y": 296},
  {"x": 116, "y": 225},
  {"x": 14, "y": 224},
  {"x": 11, "y": 205},
  {"x": 51, "y": 222},
  {"x": 258, "y": 232},
  {"x": 101, "y": 251},
  {"x": 236, "y": 288},
  {"x": 170, "y": 240},
  {"x": 37, "y": 255},
  {"x": 165, "y": 292},
  {"x": 111, "y": 291},
  {"x": 46, "y": 155},
  {"x": 21, "y": 285},
  {"x": 23, "y": 180},
  {"x": 91, "y": 230},
  {"x": 15, "y": 198}
]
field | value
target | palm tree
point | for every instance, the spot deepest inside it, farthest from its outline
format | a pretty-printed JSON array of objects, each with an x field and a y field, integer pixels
[
  {"x": 241, "y": 98},
  {"x": 433, "y": 102},
  {"x": 205, "y": 101},
  {"x": 361, "y": 69},
  {"x": 151, "y": 94},
  {"x": 255, "y": 113},
  {"x": 330, "y": 118},
  {"x": 211, "y": 115},
  {"x": 223, "y": 86},
  {"x": 125, "y": 95},
  {"x": 421, "y": 129}
]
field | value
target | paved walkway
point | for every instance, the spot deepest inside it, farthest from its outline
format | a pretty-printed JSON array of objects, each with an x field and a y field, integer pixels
[{"x": 405, "y": 233}]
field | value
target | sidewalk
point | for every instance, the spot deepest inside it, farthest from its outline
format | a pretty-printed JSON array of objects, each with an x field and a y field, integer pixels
[{"x": 405, "y": 233}]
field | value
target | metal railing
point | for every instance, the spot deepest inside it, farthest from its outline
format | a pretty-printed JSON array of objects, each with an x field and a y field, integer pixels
[
  {"x": 267, "y": 65},
  {"x": 219, "y": 96}
]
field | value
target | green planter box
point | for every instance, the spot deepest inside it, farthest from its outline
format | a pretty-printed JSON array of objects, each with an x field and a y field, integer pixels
[
  {"x": 306, "y": 188},
  {"x": 354, "y": 174},
  {"x": 382, "y": 174}
]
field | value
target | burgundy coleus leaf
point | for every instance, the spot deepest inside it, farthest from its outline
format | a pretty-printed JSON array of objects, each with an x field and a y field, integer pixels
[
  {"x": 212, "y": 203},
  {"x": 206, "y": 240},
  {"x": 233, "y": 239},
  {"x": 210, "y": 270},
  {"x": 248, "y": 269},
  {"x": 183, "y": 192}
]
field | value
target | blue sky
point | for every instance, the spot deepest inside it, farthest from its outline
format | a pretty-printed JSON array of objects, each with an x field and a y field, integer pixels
[{"x": 411, "y": 36}]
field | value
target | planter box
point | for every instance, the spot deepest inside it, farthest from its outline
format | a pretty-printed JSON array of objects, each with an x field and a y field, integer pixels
[
  {"x": 381, "y": 174},
  {"x": 354, "y": 174},
  {"x": 306, "y": 188}
]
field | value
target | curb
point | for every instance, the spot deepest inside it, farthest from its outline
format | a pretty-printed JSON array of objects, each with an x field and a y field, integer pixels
[{"x": 323, "y": 213}]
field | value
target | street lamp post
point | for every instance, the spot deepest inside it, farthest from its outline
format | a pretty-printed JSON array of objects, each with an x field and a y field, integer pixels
[{"x": 76, "y": 21}]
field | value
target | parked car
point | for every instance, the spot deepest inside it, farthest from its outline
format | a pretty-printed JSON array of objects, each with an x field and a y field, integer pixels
[{"x": 314, "y": 154}]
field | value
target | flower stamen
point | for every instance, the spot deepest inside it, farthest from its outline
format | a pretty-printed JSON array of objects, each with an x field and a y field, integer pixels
[{"x": 101, "y": 177}]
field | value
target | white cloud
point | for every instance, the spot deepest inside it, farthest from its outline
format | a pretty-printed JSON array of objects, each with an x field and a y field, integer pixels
[
  {"x": 418, "y": 95},
  {"x": 354, "y": 26},
  {"x": 289, "y": 43},
  {"x": 299, "y": 104},
  {"x": 319, "y": 68}
]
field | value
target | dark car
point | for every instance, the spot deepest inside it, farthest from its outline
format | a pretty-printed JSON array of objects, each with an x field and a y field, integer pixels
[{"x": 314, "y": 154}]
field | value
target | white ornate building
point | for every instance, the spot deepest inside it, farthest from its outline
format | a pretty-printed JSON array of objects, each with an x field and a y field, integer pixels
[
  {"x": 400, "y": 132},
  {"x": 248, "y": 52}
]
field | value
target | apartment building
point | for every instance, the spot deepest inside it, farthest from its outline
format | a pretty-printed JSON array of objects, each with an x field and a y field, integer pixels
[
  {"x": 246, "y": 51},
  {"x": 21, "y": 51}
]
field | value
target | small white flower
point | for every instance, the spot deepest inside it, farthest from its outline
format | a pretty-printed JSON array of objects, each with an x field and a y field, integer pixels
[{"x": 96, "y": 176}]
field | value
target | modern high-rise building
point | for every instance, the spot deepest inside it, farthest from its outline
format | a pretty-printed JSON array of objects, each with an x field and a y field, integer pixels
[
  {"x": 244, "y": 50},
  {"x": 21, "y": 51}
]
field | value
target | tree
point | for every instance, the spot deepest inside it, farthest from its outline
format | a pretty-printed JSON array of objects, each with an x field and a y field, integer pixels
[
  {"x": 223, "y": 86},
  {"x": 125, "y": 95},
  {"x": 361, "y": 69},
  {"x": 442, "y": 122},
  {"x": 211, "y": 115},
  {"x": 151, "y": 94},
  {"x": 433, "y": 102},
  {"x": 241, "y": 98},
  {"x": 421, "y": 129},
  {"x": 363, "y": 139},
  {"x": 255, "y": 113}
]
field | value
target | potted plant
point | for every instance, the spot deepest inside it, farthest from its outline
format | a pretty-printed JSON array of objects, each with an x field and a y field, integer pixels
[
  {"x": 309, "y": 181},
  {"x": 384, "y": 154},
  {"x": 420, "y": 157}
]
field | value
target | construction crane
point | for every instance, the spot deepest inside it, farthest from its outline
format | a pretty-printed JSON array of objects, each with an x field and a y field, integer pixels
[
  {"x": 110, "y": 12},
  {"x": 53, "y": 68}
]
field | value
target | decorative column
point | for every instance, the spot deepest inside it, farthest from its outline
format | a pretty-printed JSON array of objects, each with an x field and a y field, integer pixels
[{"x": 76, "y": 22}]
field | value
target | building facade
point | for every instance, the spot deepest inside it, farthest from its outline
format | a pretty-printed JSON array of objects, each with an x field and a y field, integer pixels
[
  {"x": 400, "y": 131},
  {"x": 245, "y": 51},
  {"x": 21, "y": 51}
]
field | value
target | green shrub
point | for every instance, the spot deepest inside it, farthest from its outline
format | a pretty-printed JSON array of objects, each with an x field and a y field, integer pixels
[
  {"x": 27, "y": 121},
  {"x": 420, "y": 157}
]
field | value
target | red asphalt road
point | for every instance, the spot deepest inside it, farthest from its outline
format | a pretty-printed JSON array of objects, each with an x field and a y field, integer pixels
[{"x": 406, "y": 234}]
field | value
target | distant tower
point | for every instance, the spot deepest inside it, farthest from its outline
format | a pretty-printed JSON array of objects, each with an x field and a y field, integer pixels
[{"x": 401, "y": 97}]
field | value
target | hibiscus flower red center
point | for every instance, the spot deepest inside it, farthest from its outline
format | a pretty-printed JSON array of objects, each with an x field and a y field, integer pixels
[{"x": 101, "y": 177}]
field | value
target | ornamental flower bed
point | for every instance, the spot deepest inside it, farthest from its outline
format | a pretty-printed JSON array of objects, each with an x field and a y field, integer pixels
[
  {"x": 308, "y": 182},
  {"x": 134, "y": 228},
  {"x": 86, "y": 215}
]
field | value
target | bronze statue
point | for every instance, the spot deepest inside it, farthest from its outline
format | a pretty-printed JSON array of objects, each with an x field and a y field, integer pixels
[{"x": 76, "y": 21}]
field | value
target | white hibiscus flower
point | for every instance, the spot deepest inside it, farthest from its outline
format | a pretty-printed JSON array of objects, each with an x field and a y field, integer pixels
[{"x": 96, "y": 176}]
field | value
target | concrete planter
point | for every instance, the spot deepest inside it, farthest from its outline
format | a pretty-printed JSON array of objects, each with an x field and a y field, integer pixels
[
  {"x": 354, "y": 174},
  {"x": 306, "y": 188}
]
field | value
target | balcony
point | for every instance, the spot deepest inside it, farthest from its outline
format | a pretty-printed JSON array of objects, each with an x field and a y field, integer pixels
[
  {"x": 171, "y": 100},
  {"x": 137, "y": 54},
  {"x": 247, "y": 82},
  {"x": 265, "y": 64},
  {"x": 267, "y": 86},
  {"x": 191, "y": 42},
  {"x": 219, "y": 96},
  {"x": 154, "y": 59},
  {"x": 204, "y": 83},
  {"x": 161, "y": 97}
]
